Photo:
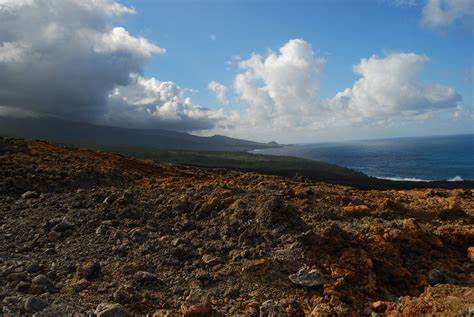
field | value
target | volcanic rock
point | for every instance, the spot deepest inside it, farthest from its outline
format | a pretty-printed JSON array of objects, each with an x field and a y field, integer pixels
[
  {"x": 42, "y": 281},
  {"x": 470, "y": 254},
  {"x": 29, "y": 194},
  {"x": 163, "y": 239},
  {"x": 271, "y": 309},
  {"x": 111, "y": 310},
  {"x": 307, "y": 277},
  {"x": 196, "y": 310},
  {"x": 144, "y": 277},
  {"x": 34, "y": 304},
  {"x": 89, "y": 271}
]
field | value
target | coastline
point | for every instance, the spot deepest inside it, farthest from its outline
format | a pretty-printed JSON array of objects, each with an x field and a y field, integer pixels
[{"x": 423, "y": 160}]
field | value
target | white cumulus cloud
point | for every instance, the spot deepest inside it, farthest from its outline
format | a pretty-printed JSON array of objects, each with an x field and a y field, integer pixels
[
  {"x": 391, "y": 86},
  {"x": 280, "y": 89},
  {"x": 279, "y": 92},
  {"x": 149, "y": 102},
  {"x": 220, "y": 91}
]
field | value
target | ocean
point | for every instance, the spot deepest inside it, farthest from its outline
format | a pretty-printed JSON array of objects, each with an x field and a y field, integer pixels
[{"x": 416, "y": 159}]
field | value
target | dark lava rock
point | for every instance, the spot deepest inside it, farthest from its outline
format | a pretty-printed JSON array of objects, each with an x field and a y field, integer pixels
[
  {"x": 89, "y": 271},
  {"x": 42, "y": 281},
  {"x": 436, "y": 277},
  {"x": 34, "y": 304}
]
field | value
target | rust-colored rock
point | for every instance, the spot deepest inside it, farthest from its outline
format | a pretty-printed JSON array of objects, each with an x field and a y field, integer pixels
[
  {"x": 197, "y": 310},
  {"x": 470, "y": 254},
  {"x": 378, "y": 306},
  {"x": 157, "y": 238}
]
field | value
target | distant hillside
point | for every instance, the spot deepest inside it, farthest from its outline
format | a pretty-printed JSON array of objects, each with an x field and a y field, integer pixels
[
  {"x": 95, "y": 135},
  {"x": 279, "y": 165}
]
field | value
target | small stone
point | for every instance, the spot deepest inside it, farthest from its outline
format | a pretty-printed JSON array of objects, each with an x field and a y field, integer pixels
[
  {"x": 271, "y": 309},
  {"x": 17, "y": 276},
  {"x": 23, "y": 287},
  {"x": 176, "y": 242},
  {"x": 323, "y": 308},
  {"x": 470, "y": 254},
  {"x": 80, "y": 285},
  {"x": 203, "y": 276},
  {"x": 165, "y": 313},
  {"x": 43, "y": 281},
  {"x": 196, "y": 310},
  {"x": 89, "y": 271},
  {"x": 29, "y": 195},
  {"x": 110, "y": 310},
  {"x": 54, "y": 236},
  {"x": 63, "y": 225},
  {"x": 453, "y": 205},
  {"x": 378, "y": 306},
  {"x": 107, "y": 200},
  {"x": 357, "y": 209},
  {"x": 33, "y": 267},
  {"x": 34, "y": 304},
  {"x": 122, "y": 296},
  {"x": 101, "y": 229},
  {"x": 145, "y": 277},
  {"x": 436, "y": 277},
  {"x": 210, "y": 260},
  {"x": 307, "y": 278},
  {"x": 128, "y": 213},
  {"x": 138, "y": 235},
  {"x": 413, "y": 227}
]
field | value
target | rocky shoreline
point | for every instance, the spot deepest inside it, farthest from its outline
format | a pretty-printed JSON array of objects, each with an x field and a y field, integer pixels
[{"x": 90, "y": 233}]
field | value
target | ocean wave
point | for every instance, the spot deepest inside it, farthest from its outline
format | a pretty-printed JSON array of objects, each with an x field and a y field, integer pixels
[
  {"x": 404, "y": 179},
  {"x": 413, "y": 179}
]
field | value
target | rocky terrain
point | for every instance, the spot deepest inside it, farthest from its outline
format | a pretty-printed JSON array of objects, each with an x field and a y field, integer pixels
[{"x": 89, "y": 233}]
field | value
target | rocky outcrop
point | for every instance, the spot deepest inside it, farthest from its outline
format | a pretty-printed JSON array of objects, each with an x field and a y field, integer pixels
[{"x": 100, "y": 234}]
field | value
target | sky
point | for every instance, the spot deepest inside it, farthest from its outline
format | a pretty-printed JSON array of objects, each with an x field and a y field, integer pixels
[{"x": 289, "y": 71}]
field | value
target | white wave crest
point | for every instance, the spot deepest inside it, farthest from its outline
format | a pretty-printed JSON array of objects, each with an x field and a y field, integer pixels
[
  {"x": 405, "y": 179},
  {"x": 413, "y": 179}
]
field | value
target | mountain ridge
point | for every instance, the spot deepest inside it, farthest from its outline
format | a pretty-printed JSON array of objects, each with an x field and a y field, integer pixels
[{"x": 80, "y": 133}]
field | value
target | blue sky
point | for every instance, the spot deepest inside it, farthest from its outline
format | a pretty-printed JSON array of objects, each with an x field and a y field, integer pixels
[
  {"x": 343, "y": 31},
  {"x": 300, "y": 71}
]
